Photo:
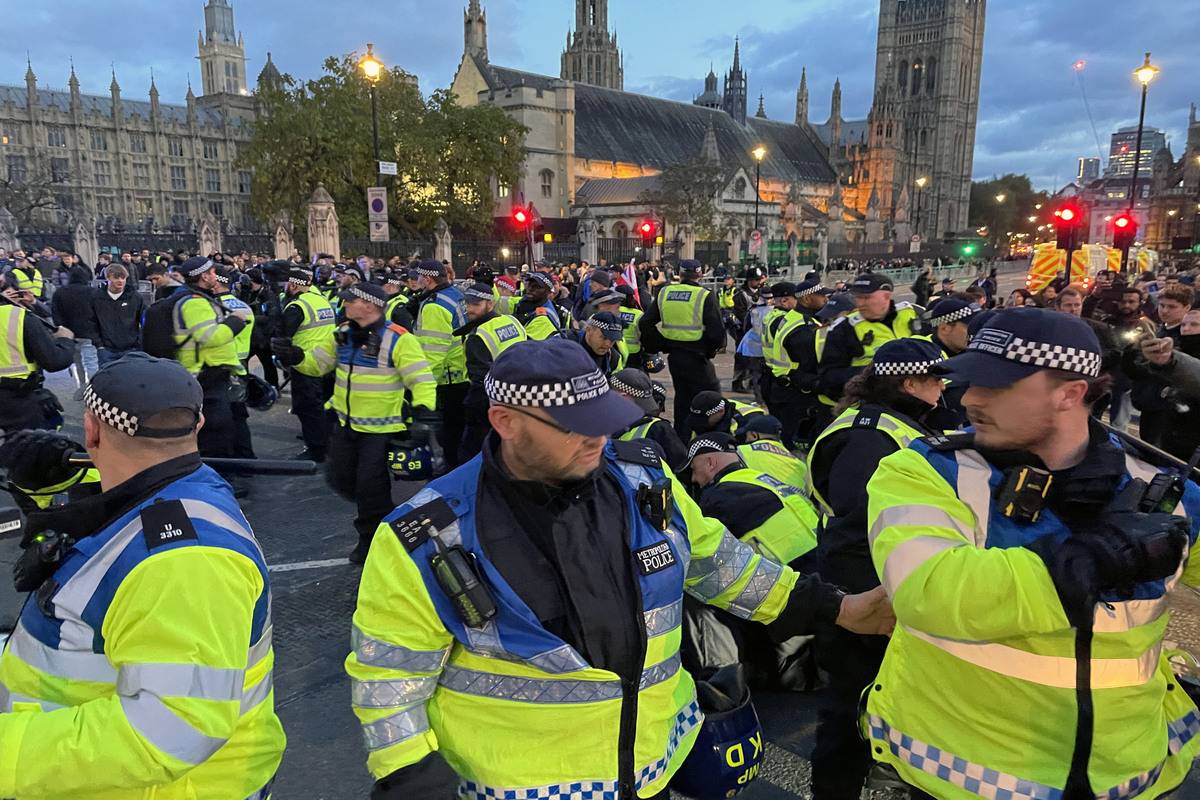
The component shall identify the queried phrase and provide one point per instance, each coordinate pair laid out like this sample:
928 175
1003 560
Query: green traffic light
968 249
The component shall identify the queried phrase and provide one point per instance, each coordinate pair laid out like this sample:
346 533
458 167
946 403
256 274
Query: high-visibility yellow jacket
202 340
315 336
369 384
500 333
977 693
241 342
13 361
872 335
681 309
633 335
791 531
725 297
440 315
819 463
514 710
148 671
771 457
777 358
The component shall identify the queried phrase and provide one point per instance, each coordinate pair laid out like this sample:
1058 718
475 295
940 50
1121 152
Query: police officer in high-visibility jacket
377 362
775 519
686 324
143 661
243 443
761 447
205 334
949 326
566 642
712 413
602 336
485 337
541 316
28 345
441 312
849 346
1030 568
305 345
637 387
884 408
396 287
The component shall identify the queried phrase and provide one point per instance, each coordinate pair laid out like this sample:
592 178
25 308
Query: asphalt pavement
306 532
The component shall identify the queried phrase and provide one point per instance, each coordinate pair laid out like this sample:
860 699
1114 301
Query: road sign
755 241
380 231
914 244
388 168
377 213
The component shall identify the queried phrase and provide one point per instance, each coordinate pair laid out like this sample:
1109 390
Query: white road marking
301 565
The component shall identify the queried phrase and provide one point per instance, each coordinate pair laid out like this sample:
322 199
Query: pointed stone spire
802 98
835 117
114 88
269 77
191 103
708 149
31 98
836 200
762 109
73 86
475 31
153 95
737 54
873 204
1192 116
30 78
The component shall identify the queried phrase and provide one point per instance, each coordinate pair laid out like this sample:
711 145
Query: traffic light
968 250
1124 230
1067 221
520 218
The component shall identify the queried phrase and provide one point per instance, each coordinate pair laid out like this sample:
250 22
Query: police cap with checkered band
135 388
952 309
903 357
1017 342
560 377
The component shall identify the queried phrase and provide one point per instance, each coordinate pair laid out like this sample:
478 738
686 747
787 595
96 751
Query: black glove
426 428
37 459
429 777
1124 548
234 323
288 354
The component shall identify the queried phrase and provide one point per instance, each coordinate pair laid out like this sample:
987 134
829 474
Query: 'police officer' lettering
675 296
507 332
655 558
166 523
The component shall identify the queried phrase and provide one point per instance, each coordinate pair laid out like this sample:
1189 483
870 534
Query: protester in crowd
117 309
71 306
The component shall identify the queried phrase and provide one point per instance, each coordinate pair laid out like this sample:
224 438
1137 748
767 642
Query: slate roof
621 126
502 78
615 191
102 104
854 131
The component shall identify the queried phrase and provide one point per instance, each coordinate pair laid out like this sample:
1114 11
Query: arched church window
924 139
739 188
889 130
931 76
902 78
620 231
918 72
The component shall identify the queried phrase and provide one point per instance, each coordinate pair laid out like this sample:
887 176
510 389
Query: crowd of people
912 503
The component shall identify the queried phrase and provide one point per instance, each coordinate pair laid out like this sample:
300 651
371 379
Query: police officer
205 334
850 345
395 285
442 311
485 337
631 316
305 346
1029 568
143 659
712 413
263 299
949 321
746 299
761 447
883 409
377 362
637 387
541 316
243 444
792 359
566 641
686 323
602 336
29 344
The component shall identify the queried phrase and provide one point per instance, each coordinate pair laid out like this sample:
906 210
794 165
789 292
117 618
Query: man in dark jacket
71 306
117 309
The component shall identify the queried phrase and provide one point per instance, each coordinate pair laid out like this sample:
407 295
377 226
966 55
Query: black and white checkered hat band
610 327
475 294
222 279
370 298
701 444
625 388
200 270
109 414
541 278
429 272
954 316
1048 356
395 280
717 409
811 290
905 367
301 280
547 395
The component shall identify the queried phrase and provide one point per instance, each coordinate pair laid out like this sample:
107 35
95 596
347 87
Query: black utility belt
30 383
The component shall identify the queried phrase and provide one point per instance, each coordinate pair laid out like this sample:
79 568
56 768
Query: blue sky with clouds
1032 117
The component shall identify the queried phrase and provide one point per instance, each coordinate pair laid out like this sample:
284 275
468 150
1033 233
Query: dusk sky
1032 116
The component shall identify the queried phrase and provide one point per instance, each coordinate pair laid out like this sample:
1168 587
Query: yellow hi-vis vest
776 356
822 336
241 342
500 333
872 335
13 361
791 531
725 296
640 431
315 334
768 322
682 312
633 335
202 340
900 431
368 391
771 457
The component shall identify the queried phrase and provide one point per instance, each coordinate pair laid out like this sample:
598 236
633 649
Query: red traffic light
647 228
1122 222
1067 214
521 217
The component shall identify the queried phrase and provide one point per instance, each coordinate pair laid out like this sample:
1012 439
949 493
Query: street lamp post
1146 73
372 69
921 183
759 154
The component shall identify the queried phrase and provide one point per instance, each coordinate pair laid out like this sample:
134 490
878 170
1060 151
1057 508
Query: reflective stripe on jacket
368 388
903 434
791 531
13 361
439 317
315 336
681 310
774 459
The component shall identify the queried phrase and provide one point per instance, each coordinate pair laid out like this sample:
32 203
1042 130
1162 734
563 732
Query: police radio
1024 492
457 573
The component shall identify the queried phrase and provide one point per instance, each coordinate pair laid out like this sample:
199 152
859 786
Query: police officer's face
954 335
874 306
787 302
597 342
362 311
1024 415
535 449
925 387
478 309
537 291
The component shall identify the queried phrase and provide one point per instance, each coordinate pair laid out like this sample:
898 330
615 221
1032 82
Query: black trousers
840 758
357 470
308 405
450 401
243 444
218 437
691 373
266 358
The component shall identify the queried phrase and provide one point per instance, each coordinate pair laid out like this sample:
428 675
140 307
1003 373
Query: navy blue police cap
810 287
540 277
719 442
372 293
690 266
783 289
906 357
1018 342
839 303
764 424
559 377
127 393
608 324
952 309
870 282
196 266
431 268
478 293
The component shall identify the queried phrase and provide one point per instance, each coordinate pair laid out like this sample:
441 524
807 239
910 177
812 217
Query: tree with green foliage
689 191
1010 215
319 131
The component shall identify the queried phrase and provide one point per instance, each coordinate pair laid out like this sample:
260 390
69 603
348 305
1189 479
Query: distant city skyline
1032 114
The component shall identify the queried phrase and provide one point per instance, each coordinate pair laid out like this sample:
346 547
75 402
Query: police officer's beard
535 462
